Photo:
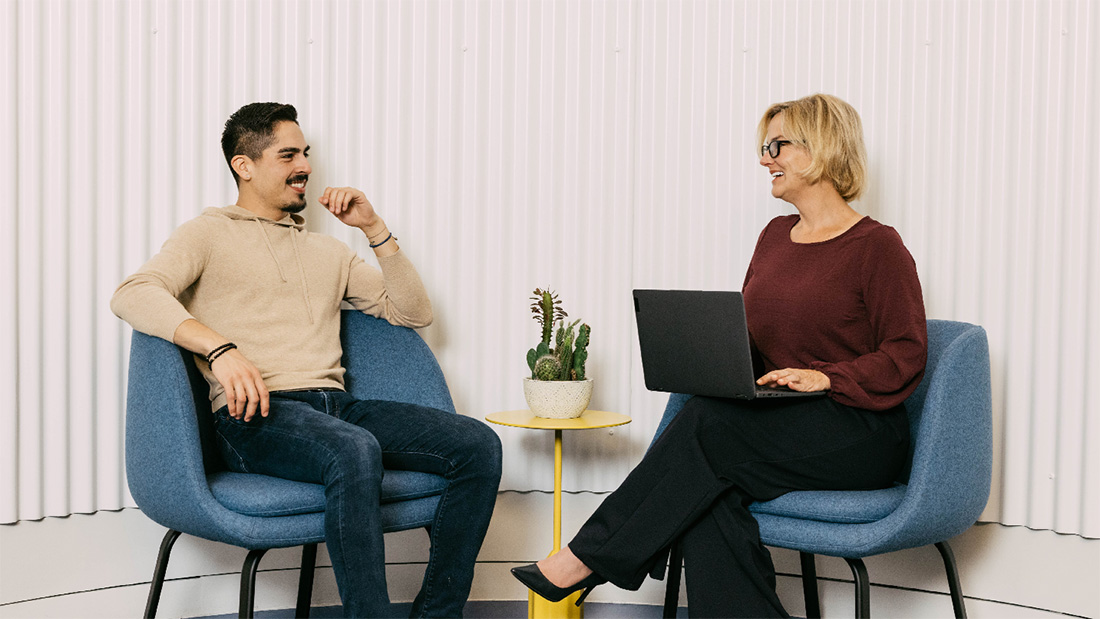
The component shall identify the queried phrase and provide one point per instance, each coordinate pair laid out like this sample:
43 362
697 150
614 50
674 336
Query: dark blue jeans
330 438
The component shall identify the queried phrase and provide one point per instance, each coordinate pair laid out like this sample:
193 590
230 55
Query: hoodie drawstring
271 249
279 266
302 274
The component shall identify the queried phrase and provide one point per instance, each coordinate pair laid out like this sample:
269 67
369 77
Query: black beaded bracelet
219 351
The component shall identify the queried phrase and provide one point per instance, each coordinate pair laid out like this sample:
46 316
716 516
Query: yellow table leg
537 606
557 490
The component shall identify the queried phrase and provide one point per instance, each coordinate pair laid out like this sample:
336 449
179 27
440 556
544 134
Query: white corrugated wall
591 147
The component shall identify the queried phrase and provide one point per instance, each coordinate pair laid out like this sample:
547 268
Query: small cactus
536 352
579 358
565 356
582 336
547 310
566 360
580 354
547 367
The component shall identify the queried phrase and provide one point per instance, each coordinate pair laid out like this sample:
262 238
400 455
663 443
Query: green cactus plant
533 355
565 355
547 367
547 310
580 354
570 351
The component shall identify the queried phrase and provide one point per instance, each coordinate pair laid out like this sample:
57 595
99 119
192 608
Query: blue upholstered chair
940 494
177 478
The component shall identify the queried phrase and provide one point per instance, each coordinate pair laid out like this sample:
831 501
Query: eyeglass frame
778 144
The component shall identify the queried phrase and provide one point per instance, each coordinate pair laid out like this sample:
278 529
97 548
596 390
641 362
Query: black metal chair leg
809 585
248 583
863 588
672 585
159 572
953 582
305 581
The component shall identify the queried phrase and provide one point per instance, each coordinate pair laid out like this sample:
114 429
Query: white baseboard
100 565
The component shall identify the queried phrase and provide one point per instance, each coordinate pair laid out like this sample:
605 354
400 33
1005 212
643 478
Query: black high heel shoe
531 576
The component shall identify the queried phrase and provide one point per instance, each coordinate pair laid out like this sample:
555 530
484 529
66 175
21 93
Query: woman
833 303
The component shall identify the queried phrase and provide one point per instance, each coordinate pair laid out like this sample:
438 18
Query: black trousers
696 482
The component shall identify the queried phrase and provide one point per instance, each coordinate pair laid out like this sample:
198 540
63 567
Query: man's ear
242 165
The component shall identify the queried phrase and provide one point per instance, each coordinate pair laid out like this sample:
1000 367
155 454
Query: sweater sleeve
149 299
892 294
395 293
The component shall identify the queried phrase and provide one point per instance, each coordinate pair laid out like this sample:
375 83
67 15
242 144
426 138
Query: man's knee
481 445
356 454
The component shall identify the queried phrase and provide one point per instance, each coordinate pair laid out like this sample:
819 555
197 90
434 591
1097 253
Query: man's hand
351 207
244 388
798 380
245 391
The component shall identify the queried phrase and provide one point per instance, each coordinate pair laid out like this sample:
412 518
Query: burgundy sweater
850 307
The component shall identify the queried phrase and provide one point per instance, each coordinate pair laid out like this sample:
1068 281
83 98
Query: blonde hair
830 130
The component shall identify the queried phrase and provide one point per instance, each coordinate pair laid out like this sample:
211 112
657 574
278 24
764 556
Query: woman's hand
796 379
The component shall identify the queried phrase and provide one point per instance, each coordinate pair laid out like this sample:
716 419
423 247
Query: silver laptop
697 342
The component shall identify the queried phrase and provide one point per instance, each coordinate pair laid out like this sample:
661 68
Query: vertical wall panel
106 227
9 273
27 426
53 270
81 172
1087 20
592 147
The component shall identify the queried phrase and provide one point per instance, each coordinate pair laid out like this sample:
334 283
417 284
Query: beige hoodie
272 288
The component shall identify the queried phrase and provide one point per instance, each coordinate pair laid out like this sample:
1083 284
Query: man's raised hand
350 206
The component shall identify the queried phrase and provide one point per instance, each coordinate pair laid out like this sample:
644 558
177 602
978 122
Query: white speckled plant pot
557 399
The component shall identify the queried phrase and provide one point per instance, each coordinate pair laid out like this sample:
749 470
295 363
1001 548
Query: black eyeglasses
772 148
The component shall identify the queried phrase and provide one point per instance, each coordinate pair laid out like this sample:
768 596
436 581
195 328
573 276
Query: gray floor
488 610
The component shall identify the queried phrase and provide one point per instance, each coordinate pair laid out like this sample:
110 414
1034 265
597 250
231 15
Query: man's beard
294 207
300 205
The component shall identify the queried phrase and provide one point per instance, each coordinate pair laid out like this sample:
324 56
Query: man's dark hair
251 129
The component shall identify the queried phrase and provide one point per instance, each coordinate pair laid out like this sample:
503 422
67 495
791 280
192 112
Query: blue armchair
177 478
940 494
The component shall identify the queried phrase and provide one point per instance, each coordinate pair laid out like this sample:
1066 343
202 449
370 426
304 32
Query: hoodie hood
242 214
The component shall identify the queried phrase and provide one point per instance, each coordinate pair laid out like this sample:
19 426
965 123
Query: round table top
588 420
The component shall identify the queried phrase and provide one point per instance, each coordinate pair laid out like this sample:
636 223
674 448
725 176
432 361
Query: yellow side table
537 606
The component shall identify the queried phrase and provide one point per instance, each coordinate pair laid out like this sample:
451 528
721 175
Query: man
257 298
